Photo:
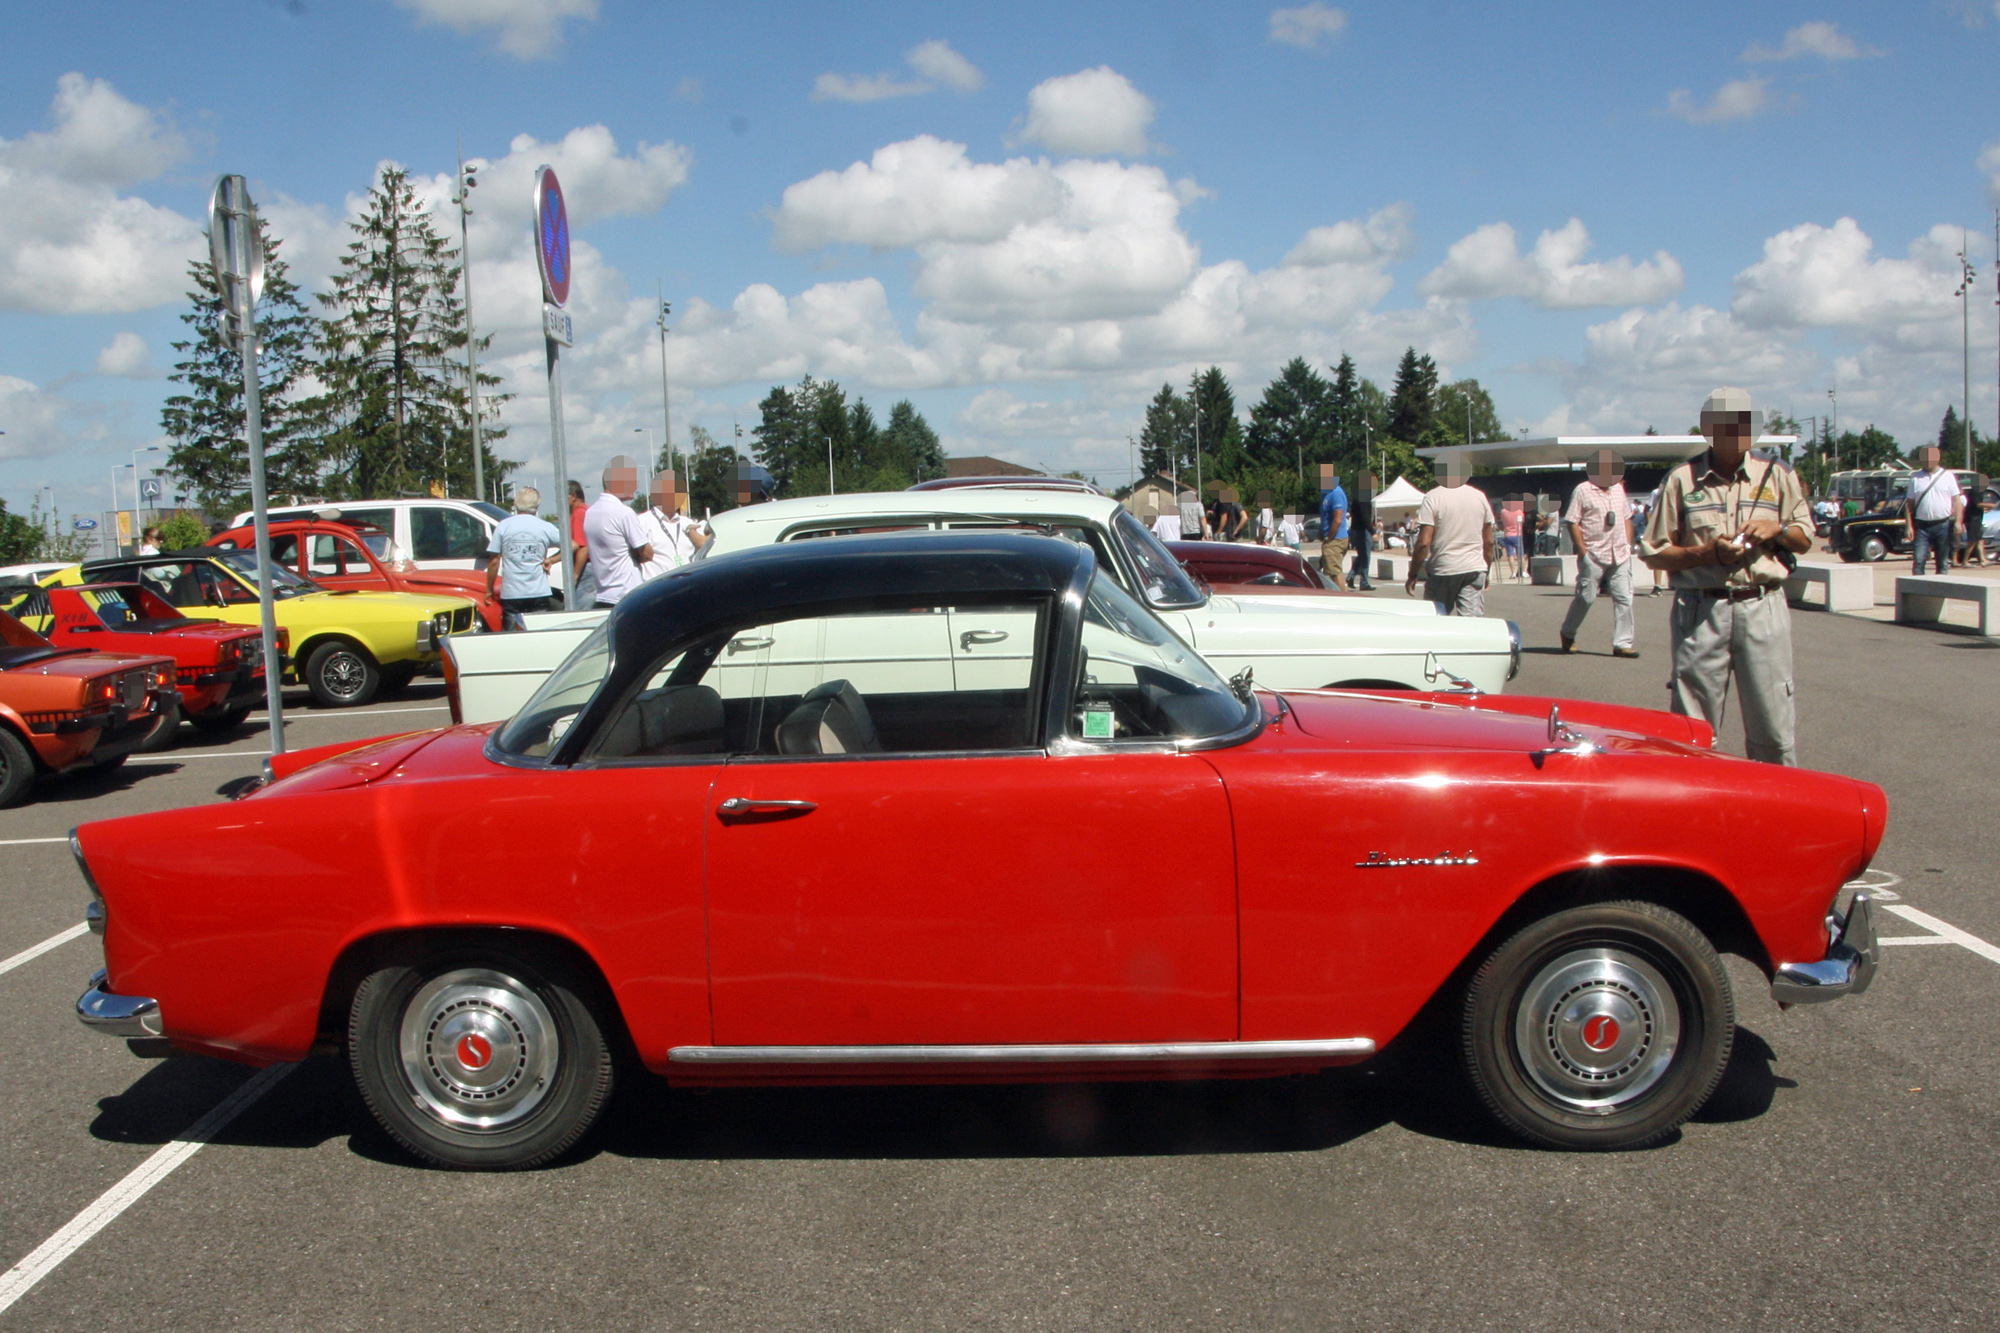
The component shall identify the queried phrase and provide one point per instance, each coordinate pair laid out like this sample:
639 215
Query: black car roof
766 582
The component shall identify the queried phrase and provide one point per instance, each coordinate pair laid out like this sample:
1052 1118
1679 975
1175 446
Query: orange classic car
68 708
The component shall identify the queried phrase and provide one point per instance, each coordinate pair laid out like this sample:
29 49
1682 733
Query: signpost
552 257
237 252
149 488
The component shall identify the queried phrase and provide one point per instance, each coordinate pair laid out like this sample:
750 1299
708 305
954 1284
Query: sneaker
1624 652
1569 644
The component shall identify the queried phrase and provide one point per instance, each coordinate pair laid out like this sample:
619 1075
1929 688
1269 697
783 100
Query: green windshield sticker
1097 724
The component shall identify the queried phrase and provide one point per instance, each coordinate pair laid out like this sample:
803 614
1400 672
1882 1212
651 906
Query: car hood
396 606
1240 597
1374 720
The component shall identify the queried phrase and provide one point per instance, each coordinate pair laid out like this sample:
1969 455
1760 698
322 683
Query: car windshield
1160 575
284 583
1140 682
534 730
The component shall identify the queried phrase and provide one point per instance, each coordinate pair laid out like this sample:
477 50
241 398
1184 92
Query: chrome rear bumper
118 1015
1849 964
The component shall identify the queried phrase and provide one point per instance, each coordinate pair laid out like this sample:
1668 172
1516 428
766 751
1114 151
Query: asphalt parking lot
1843 1174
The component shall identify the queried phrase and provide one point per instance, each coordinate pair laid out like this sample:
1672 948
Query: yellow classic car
343 646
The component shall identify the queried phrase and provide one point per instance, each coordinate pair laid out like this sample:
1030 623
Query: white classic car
1287 642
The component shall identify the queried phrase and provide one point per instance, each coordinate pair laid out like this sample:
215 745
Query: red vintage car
69 708
738 836
218 668
1240 567
339 555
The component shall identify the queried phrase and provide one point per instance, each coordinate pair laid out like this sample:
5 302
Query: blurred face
1454 472
1930 458
1606 468
662 492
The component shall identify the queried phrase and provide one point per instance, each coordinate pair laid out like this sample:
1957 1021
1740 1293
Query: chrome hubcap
1596 1028
479 1049
342 675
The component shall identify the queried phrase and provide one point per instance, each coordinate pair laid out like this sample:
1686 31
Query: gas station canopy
1572 451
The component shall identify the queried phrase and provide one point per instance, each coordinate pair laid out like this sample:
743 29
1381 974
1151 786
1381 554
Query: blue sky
1599 213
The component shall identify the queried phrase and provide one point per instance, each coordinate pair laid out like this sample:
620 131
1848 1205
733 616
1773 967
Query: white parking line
1915 939
212 754
19 1280
30 954
23 842
1964 939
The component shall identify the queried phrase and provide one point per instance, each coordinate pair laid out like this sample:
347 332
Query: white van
432 534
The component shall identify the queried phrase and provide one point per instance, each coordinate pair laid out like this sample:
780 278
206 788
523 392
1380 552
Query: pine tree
911 442
1221 433
1413 403
1289 428
1165 440
395 407
210 452
1343 409
779 437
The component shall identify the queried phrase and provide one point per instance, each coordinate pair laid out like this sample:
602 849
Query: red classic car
738 836
67 708
1239 567
340 555
218 668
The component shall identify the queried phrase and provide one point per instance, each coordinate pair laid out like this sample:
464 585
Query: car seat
673 719
831 719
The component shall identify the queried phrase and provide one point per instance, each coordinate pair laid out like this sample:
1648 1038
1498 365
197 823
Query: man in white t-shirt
1937 503
1455 546
675 536
1166 518
619 543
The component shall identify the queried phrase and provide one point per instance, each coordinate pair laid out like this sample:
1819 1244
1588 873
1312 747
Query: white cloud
1384 237
919 190
127 357
863 88
1311 27
1817 38
1738 99
524 29
1488 263
70 242
1828 277
35 420
1095 112
690 89
1989 162
935 60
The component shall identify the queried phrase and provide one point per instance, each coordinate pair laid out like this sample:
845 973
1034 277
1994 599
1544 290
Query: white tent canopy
1399 495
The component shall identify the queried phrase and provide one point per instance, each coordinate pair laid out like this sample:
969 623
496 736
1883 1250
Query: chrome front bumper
1849 964
118 1015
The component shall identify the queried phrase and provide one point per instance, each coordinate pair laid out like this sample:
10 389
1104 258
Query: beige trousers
1715 638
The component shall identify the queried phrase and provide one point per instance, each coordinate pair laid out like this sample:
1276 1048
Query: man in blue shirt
1332 525
522 542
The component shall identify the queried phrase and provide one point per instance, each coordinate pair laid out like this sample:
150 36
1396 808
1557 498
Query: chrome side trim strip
1089 1053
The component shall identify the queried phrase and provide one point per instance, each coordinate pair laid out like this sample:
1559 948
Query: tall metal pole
1968 275
240 276
666 401
460 197
829 465
562 465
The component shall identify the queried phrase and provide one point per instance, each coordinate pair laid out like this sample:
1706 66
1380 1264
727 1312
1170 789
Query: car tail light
230 654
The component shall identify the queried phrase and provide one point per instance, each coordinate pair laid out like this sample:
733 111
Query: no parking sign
552 237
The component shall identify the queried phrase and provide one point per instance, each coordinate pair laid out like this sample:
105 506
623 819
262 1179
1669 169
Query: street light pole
829 464
143 449
460 196
666 402
1967 276
1832 424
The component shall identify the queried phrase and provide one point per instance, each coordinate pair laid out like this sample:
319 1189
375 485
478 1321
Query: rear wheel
341 675
1601 1027
479 1061
17 768
163 730
218 720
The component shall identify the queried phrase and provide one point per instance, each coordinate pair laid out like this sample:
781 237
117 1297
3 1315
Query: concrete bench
1392 566
1552 570
1848 587
1920 600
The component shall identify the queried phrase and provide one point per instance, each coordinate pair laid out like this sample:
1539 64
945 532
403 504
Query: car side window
437 533
350 558
905 680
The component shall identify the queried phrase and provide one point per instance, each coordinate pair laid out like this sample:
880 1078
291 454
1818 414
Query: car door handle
737 806
972 636
748 644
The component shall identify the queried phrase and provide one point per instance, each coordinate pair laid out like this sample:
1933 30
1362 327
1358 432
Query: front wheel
480 1062
1601 1027
1873 549
341 675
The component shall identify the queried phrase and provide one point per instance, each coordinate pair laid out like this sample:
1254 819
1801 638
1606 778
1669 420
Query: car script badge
1600 1032
1378 861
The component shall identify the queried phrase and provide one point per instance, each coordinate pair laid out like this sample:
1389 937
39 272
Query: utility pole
829 464
460 195
666 403
1967 276
1832 422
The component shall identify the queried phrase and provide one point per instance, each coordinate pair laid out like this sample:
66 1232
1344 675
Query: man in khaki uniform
1717 528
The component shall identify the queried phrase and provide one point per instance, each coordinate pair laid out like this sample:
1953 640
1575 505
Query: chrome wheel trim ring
478 1049
1596 1029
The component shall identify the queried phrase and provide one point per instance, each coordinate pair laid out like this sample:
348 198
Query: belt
1738 594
